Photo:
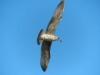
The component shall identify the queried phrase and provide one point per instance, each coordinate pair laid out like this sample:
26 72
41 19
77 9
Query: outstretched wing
56 18
45 54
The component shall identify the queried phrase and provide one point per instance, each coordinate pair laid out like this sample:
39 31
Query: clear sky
79 52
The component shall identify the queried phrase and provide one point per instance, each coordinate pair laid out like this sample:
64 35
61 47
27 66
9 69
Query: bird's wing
56 18
45 54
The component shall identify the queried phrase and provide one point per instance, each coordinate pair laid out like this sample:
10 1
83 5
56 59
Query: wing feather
45 54
56 18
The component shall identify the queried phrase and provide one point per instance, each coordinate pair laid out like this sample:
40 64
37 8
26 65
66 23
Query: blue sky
79 52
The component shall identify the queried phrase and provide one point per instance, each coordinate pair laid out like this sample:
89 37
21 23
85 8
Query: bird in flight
45 38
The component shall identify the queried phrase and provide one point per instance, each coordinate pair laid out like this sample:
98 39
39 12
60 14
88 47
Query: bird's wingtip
44 68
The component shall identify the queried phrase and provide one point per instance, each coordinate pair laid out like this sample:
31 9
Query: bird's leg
60 39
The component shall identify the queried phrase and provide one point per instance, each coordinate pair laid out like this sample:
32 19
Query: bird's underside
46 38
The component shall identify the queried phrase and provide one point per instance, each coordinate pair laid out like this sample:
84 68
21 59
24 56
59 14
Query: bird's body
49 37
46 38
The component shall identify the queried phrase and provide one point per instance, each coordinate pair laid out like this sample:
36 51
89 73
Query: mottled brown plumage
45 54
56 18
46 43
